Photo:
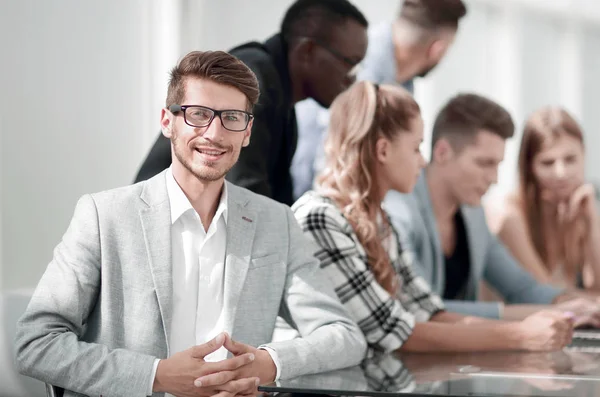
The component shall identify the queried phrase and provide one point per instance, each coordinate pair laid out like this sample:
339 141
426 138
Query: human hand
546 331
179 374
582 202
262 367
586 311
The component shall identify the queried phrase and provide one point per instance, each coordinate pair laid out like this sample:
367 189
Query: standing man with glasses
313 56
408 47
153 282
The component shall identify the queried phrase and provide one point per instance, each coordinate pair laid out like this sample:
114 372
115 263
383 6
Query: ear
304 51
166 123
382 150
436 50
247 134
442 151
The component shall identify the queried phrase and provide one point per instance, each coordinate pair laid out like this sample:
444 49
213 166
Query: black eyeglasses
353 64
202 116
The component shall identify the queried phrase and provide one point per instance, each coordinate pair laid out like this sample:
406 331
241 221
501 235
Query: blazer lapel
241 225
156 226
426 209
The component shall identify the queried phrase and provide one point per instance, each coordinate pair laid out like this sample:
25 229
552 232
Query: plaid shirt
386 321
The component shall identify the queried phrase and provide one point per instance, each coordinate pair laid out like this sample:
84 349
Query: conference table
573 371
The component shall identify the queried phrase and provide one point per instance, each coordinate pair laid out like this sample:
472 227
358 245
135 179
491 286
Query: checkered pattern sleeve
385 323
414 292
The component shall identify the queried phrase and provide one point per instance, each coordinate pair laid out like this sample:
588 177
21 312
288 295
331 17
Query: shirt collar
180 204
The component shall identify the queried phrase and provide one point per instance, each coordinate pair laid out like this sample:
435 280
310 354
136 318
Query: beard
204 171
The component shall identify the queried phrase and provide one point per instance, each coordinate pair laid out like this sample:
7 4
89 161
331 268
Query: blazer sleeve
515 284
158 160
48 345
329 339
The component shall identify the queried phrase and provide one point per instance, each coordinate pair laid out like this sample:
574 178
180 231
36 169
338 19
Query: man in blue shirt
409 47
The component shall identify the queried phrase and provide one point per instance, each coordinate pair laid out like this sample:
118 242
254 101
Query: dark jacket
264 165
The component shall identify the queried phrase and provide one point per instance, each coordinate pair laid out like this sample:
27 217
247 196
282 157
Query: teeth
210 152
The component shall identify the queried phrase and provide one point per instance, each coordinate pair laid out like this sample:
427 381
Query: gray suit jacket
101 313
413 217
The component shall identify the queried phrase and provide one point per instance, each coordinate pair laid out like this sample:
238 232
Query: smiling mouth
211 154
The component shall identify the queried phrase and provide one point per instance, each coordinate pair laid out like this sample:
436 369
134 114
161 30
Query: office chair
54 391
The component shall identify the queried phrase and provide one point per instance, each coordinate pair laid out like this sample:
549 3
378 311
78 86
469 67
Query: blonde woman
551 224
372 147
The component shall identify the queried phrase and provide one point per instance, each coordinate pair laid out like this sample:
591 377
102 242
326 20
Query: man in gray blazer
169 285
443 222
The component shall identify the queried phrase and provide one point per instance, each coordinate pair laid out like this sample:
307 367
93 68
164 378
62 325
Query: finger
224 394
594 321
236 347
561 210
573 207
241 386
579 198
203 350
570 319
215 379
587 320
565 326
564 339
230 364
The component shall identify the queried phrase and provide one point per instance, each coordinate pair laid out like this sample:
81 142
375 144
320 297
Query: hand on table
182 373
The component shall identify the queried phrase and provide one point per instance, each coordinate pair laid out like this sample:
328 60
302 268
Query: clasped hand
187 374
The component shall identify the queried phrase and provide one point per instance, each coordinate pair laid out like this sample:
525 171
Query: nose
214 131
352 74
559 169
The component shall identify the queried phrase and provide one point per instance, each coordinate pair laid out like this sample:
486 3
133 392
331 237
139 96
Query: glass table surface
574 371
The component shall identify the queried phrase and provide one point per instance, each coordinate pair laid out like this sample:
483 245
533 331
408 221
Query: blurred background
83 82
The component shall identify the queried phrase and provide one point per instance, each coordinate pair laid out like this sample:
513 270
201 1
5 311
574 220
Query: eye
571 159
198 113
547 163
233 116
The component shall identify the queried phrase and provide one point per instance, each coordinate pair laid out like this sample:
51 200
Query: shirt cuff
275 359
153 376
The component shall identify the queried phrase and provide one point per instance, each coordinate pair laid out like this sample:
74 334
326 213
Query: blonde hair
359 117
542 126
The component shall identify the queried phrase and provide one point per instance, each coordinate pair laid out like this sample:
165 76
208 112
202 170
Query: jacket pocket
268 260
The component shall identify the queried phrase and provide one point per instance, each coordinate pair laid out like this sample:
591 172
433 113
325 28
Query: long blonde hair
359 117
544 125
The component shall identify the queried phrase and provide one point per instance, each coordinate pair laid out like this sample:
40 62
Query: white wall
76 113
226 23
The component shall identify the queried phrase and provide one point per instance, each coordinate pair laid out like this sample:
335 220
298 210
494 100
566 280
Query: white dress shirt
198 259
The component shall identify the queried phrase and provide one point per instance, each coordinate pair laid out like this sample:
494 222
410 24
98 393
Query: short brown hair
218 66
433 14
465 115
